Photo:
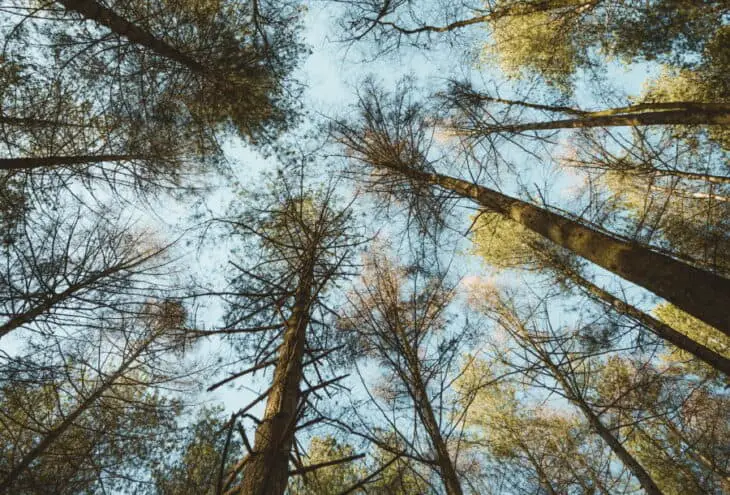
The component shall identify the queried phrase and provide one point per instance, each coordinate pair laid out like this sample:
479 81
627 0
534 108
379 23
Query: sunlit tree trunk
266 471
700 293
695 114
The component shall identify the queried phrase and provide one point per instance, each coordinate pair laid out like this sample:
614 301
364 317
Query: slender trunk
715 179
428 418
660 329
60 161
266 471
645 480
541 474
50 302
698 292
707 115
104 16
50 437
521 9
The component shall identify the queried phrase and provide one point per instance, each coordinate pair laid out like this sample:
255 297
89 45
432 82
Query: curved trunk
60 161
106 17
266 470
697 292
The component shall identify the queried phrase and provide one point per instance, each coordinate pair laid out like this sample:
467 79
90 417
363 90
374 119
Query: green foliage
193 466
695 329
112 444
330 480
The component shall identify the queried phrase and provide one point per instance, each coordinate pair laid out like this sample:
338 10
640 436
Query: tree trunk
61 161
72 289
695 114
660 329
50 437
698 292
428 418
715 179
104 16
266 471
645 480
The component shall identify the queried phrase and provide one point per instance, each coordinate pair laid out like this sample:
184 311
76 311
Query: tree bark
60 161
700 293
266 471
106 17
50 437
645 480
428 418
692 114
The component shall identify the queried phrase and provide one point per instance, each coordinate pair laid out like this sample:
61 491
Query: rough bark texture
266 471
698 292
60 161
104 16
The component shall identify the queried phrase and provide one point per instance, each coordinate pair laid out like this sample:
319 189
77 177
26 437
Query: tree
60 268
505 244
399 330
571 373
538 449
199 459
550 38
93 416
221 62
391 140
301 245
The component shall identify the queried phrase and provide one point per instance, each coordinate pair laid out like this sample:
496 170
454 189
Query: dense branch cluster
512 279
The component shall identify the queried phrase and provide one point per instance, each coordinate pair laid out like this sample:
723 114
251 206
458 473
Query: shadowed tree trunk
61 161
426 413
575 397
660 329
104 16
266 471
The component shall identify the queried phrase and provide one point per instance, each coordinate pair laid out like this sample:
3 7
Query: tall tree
505 244
301 244
391 139
399 329
101 403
